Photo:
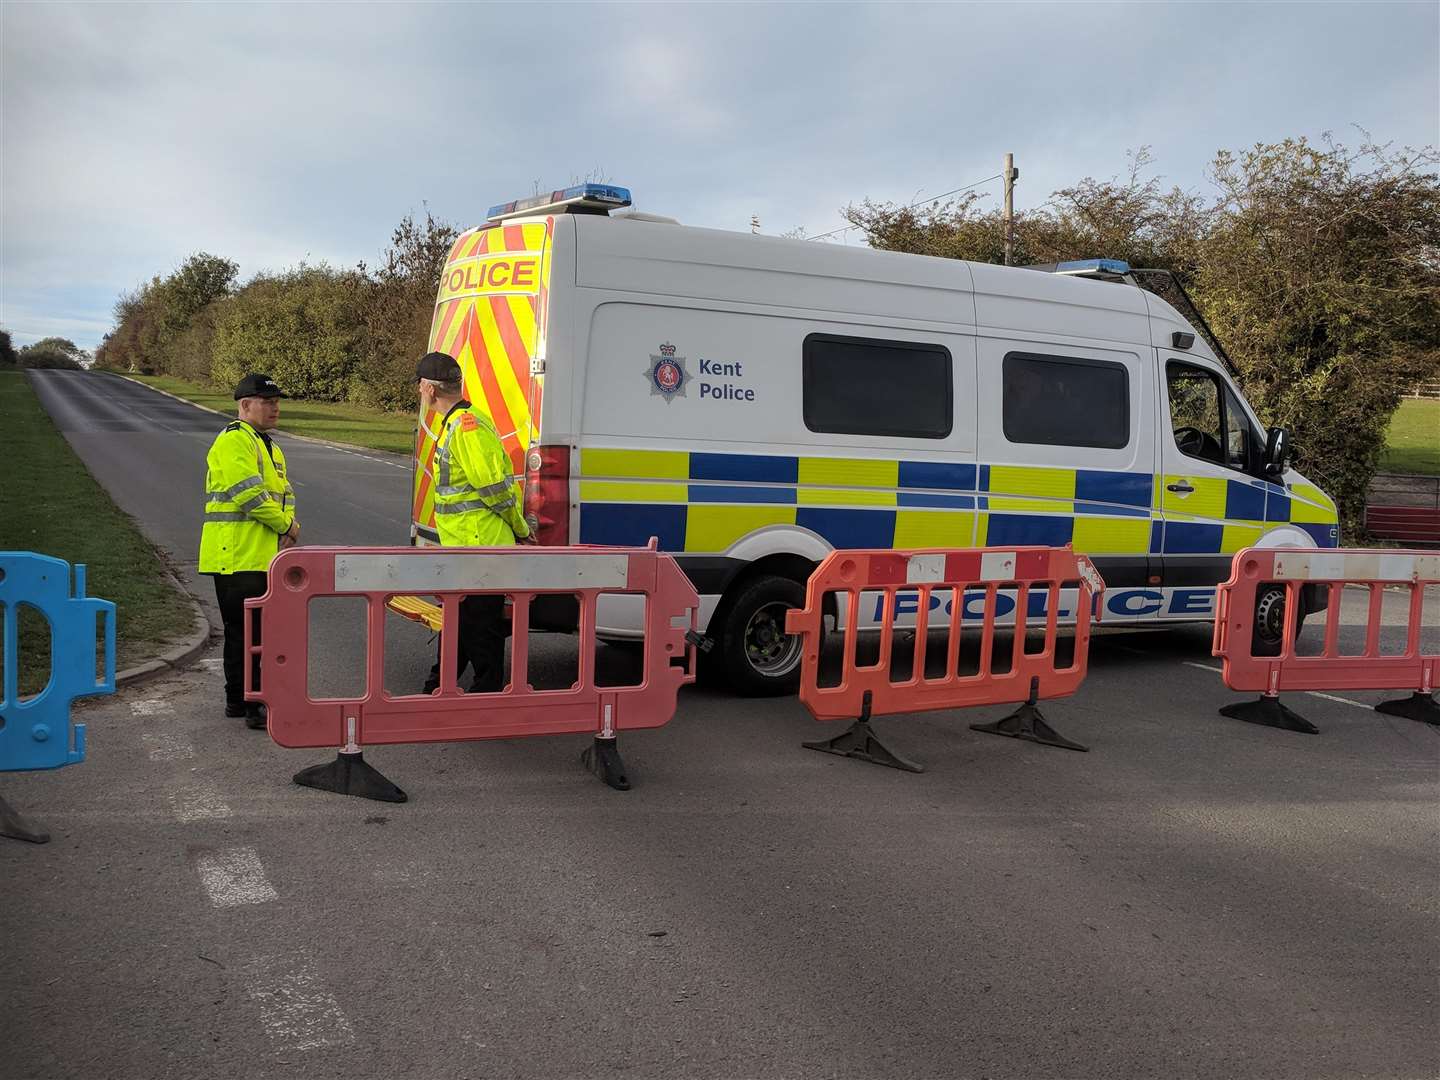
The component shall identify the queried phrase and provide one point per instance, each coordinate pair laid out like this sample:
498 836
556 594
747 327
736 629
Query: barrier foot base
1417 706
1270 712
860 741
348 774
603 759
1028 722
14 825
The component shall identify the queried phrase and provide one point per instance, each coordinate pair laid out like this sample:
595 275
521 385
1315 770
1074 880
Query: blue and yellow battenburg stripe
705 502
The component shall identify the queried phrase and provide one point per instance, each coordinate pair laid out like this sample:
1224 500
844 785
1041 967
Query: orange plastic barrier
1257 570
1011 581
303 574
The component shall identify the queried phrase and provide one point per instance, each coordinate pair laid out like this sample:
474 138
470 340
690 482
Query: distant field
320 420
1413 441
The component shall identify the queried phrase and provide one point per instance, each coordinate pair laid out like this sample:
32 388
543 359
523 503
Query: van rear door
490 315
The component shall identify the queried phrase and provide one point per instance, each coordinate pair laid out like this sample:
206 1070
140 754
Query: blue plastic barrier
37 733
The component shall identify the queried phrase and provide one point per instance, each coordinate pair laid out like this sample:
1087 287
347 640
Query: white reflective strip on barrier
925 569
997 566
479 570
1397 567
1090 575
1355 566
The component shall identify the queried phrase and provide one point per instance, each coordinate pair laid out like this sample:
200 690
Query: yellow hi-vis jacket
477 503
248 502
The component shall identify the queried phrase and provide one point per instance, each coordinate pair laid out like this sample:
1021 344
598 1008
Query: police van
755 402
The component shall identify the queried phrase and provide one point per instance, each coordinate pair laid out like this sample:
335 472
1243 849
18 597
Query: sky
134 135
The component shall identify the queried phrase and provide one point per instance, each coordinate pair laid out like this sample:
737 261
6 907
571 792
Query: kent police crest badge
666 373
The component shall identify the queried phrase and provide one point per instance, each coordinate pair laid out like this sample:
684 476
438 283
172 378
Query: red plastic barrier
1013 573
1255 570
300 575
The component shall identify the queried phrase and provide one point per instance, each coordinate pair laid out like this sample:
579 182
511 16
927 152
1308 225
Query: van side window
1207 420
865 386
1066 401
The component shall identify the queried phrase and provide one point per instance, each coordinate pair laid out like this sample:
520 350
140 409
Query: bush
1316 267
397 304
52 352
300 327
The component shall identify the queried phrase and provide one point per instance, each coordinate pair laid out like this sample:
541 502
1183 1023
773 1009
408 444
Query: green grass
1412 445
51 505
351 424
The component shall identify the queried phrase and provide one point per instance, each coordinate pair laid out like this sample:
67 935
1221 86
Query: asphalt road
1195 897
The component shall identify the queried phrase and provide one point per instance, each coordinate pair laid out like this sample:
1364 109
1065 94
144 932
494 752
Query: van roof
632 254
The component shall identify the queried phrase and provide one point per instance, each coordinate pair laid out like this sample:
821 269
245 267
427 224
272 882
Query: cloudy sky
132 135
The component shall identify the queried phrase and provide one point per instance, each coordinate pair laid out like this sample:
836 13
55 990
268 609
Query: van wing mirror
1277 451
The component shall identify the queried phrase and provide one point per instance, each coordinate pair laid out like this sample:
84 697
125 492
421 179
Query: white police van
755 402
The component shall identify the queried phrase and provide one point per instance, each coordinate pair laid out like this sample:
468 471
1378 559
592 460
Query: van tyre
1268 636
757 657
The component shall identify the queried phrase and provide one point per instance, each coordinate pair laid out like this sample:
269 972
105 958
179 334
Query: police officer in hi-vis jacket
249 517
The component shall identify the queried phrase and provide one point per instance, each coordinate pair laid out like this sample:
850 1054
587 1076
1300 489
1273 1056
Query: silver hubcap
770 650
1270 614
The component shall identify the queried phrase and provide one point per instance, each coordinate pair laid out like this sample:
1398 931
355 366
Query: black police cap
438 367
256 385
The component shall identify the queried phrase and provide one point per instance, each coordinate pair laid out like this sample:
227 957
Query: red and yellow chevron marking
489 310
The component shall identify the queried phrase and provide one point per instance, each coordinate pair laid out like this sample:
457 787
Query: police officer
477 504
249 516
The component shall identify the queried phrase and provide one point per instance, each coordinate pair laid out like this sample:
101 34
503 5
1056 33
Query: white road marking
233 877
1312 693
163 747
213 663
152 707
199 801
1342 700
297 1011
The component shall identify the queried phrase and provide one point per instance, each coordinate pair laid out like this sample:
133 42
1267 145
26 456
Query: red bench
1405 524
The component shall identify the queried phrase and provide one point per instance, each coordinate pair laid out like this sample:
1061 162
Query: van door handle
1181 488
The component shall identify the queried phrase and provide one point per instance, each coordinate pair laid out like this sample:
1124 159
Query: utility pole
1011 175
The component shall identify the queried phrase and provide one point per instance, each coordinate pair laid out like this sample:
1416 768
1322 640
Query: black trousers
231 592
481 645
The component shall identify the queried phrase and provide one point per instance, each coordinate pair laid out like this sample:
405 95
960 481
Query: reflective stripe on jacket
477 503
248 502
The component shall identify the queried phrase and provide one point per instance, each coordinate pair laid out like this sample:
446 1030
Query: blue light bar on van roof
581 196
1093 266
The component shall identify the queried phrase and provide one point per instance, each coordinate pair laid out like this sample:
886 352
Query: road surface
1195 897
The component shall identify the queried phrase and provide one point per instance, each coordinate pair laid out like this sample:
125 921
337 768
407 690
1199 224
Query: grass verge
50 504
1412 443
340 423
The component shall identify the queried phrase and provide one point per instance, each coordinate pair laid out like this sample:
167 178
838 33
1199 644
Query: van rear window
1066 401
867 386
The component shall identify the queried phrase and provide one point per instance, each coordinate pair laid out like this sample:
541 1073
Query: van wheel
759 659
1269 633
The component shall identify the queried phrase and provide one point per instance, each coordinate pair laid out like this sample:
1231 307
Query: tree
151 323
1321 273
53 352
300 327
7 350
396 308
1317 267
1129 217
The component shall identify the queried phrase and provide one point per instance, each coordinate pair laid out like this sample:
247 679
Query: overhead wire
919 202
